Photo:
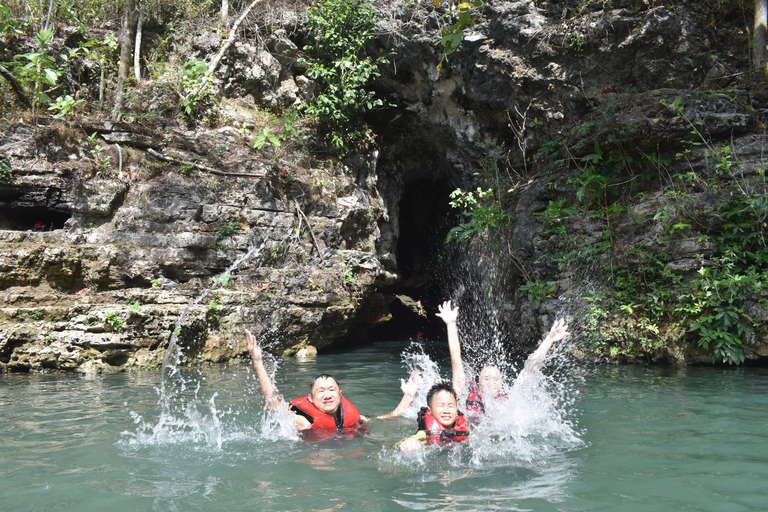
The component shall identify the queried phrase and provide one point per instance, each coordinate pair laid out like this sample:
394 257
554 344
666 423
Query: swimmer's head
490 380
441 404
325 393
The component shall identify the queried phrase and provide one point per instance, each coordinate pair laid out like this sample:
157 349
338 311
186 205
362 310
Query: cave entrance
424 219
31 208
32 218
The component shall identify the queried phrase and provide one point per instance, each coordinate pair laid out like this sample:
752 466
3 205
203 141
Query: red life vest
348 415
475 405
437 433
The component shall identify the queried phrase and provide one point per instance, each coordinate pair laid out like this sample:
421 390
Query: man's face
490 381
326 395
444 408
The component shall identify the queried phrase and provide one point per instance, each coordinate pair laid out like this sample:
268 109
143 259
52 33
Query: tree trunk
50 13
224 14
126 44
137 47
759 37
16 86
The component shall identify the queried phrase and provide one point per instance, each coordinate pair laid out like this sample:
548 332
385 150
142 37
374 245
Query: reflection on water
646 439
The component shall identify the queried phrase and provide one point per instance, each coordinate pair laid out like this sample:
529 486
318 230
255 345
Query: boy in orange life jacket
324 407
489 381
439 422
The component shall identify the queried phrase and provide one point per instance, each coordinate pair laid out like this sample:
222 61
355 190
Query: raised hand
411 386
559 330
253 346
447 313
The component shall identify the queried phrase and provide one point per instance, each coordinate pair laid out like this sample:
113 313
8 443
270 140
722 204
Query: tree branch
201 167
16 86
231 39
309 227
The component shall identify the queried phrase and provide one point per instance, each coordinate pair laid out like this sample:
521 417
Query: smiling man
324 407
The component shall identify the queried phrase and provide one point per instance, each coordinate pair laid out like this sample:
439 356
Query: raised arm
559 331
268 388
449 316
409 387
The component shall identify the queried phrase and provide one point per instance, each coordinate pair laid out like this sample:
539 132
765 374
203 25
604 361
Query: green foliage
9 24
134 307
265 136
97 149
212 313
337 60
576 41
451 36
717 306
484 212
37 314
227 229
712 307
551 148
290 125
63 105
5 170
557 217
348 276
113 322
39 68
222 280
537 291
194 73
277 251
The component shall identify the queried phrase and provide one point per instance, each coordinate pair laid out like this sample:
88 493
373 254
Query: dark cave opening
32 218
424 220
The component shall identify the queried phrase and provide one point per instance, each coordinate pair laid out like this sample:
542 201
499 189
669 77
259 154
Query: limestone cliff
111 229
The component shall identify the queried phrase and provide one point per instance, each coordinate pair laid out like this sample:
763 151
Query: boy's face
444 408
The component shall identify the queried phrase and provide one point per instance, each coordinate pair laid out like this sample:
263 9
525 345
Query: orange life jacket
437 433
348 415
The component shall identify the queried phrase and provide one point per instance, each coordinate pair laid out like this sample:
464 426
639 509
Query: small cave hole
32 218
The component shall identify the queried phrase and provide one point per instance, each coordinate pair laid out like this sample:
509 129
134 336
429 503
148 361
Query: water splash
534 426
415 360
186 418
173 355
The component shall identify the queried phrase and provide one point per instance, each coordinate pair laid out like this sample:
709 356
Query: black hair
437 388
322 376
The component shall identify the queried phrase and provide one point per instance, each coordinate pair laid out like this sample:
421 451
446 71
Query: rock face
105 243
98 263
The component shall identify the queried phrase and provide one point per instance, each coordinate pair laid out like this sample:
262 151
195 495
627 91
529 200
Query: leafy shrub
227 229
337 60
114 322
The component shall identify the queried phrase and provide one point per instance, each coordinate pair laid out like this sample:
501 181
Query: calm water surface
623 439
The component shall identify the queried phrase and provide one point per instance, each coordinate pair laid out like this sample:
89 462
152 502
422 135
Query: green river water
607 438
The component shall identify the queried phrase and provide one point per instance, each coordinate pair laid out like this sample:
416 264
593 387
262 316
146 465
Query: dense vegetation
638 304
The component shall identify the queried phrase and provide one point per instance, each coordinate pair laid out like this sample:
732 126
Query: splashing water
185 417
533 424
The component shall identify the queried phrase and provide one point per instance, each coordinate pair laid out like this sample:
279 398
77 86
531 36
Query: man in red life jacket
325 407
438 423
489 384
